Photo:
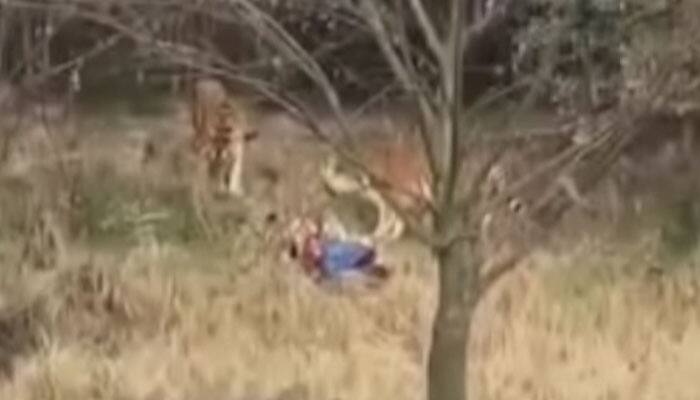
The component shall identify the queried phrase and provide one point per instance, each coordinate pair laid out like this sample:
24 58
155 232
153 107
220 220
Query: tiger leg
389 225
235 174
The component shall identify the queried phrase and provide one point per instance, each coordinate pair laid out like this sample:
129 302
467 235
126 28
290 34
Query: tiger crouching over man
405 185
221 132
405 178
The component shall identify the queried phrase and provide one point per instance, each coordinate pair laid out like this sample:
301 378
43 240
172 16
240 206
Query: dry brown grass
157 318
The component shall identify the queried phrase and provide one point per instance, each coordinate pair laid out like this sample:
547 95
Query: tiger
221 132
403 182
404 185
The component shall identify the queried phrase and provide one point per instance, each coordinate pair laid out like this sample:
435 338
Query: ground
110 291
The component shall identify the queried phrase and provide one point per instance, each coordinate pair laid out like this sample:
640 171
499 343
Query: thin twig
427 28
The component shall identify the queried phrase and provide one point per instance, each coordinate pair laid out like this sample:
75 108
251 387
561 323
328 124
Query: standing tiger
221 130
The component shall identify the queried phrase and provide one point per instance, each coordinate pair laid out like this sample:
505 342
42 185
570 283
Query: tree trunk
457 298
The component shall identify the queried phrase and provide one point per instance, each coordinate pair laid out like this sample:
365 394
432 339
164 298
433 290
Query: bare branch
383 37
495 15
598 159
378 97
479 178
427 28
96 50
504 264
291 48
553 163
408 50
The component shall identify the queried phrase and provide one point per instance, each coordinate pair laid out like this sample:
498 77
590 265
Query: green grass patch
14 199
680 229
116 210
